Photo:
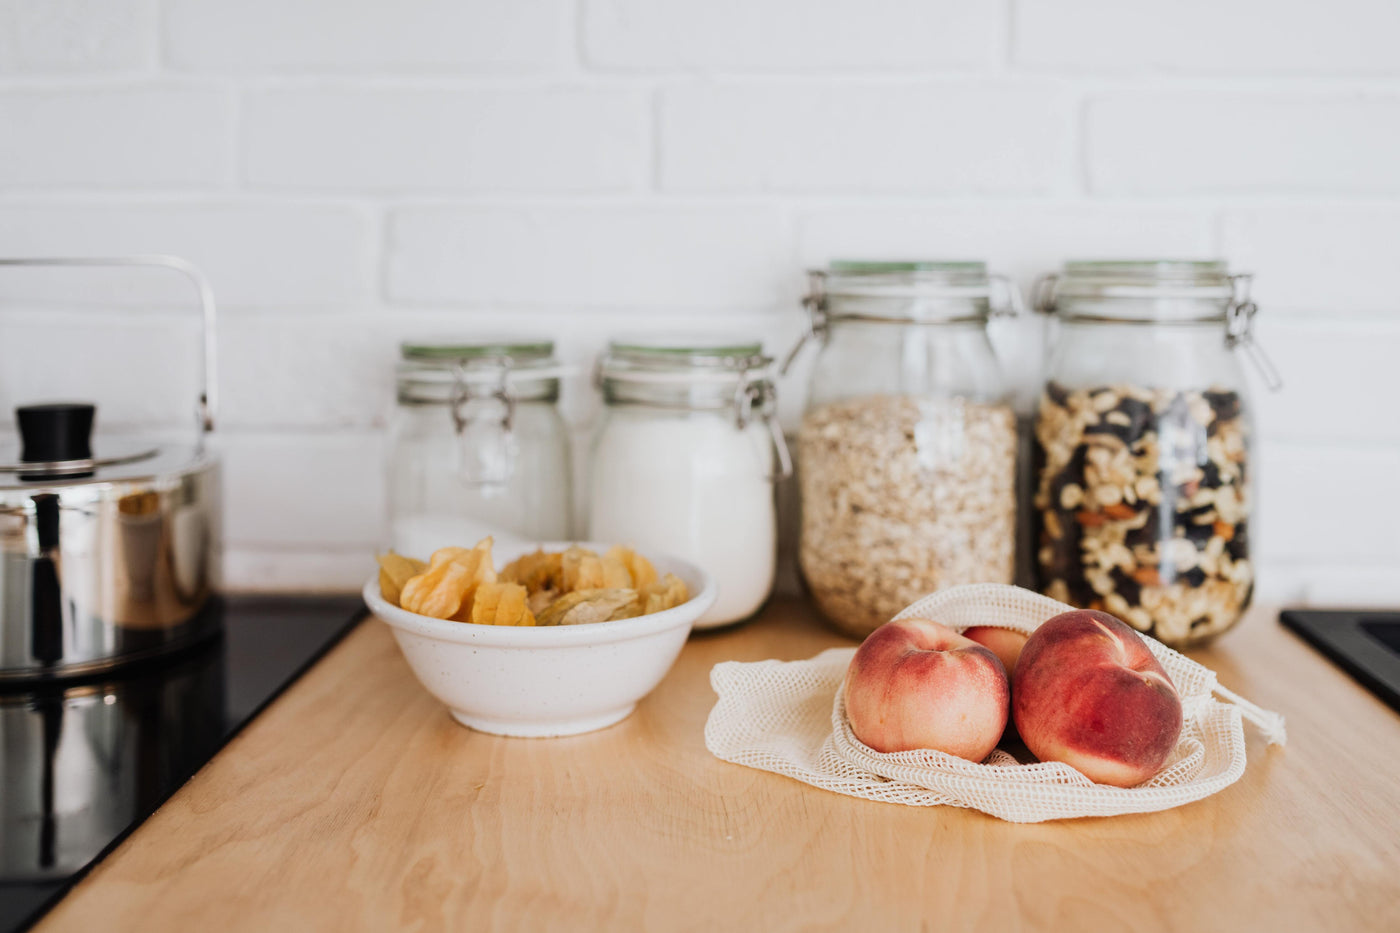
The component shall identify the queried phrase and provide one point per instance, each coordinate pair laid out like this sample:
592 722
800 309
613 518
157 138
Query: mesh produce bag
790 718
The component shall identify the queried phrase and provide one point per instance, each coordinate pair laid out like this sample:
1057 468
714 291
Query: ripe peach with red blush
1087 691
1005 643
917 684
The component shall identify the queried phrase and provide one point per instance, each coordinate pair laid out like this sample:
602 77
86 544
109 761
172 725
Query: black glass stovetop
83 762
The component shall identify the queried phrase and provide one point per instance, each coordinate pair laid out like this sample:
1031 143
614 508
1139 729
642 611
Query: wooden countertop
356 803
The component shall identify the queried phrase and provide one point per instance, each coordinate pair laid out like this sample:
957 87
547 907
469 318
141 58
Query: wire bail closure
486 454
1239 331
759 398
814 318
461 393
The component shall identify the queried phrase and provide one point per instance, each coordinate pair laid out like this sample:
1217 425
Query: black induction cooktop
1364 644
83 762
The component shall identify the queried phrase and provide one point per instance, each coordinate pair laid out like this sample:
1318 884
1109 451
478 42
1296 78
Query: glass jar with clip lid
907 453
478 447
685 458
1145 482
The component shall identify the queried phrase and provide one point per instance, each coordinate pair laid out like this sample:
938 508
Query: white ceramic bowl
549 680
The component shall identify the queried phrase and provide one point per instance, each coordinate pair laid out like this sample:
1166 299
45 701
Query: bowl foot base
540 730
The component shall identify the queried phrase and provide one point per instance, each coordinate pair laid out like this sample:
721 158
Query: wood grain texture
356 803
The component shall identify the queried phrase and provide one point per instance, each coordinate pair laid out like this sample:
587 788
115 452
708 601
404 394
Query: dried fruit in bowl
639 570
582 570
667 593
598 605
394 571
476 560
571 587
539 600
501 604
438 591
537 571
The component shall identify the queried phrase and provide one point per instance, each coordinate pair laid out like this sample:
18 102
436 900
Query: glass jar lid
438 370
699 358
703 374
932 291
1149 290
453 351
1158 291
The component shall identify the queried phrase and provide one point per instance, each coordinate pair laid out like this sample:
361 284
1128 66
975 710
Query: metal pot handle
208 397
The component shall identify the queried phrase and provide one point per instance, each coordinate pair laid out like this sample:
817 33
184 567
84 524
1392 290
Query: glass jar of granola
907 450
1145 484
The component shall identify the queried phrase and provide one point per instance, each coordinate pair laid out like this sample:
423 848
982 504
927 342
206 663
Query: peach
1088 692
1005 643
917 684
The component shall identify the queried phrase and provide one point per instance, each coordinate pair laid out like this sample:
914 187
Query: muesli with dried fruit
1142 506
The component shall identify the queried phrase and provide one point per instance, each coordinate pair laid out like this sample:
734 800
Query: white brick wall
307 36
876 138
551 139
350 173
77 35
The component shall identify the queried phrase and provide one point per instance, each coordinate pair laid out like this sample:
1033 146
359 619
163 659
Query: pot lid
56 448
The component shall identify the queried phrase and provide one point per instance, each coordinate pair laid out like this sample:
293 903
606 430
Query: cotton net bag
790 718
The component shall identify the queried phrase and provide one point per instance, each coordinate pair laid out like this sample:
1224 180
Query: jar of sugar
684 461
478 446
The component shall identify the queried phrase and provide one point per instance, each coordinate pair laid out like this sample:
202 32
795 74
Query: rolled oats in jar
907 452
1145 485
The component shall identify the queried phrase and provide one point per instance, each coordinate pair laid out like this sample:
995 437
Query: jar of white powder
478 446
685 459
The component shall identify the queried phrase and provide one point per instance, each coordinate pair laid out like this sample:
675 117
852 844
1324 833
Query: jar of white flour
478 446
685 459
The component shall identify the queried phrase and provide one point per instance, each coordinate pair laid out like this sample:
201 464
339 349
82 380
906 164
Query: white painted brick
330 35
269 255
302 491
1280 583
791 35
119 137
1359 586
1218 142
1211 36
1324 259
263 570
278 370
586 256
41 36
140 369
1329 504
1340 381
862 138
500 139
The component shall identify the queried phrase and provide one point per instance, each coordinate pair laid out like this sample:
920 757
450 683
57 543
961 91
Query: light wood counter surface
356 803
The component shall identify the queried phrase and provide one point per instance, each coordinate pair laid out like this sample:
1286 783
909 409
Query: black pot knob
56 431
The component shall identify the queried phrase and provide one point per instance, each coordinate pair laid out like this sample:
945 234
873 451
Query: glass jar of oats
1144 480
907 450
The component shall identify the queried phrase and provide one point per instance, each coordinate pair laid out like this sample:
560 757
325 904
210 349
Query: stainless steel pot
108 548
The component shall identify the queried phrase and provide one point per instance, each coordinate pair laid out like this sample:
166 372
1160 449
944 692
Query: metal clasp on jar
814 319
1239 331
758 398
484 422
